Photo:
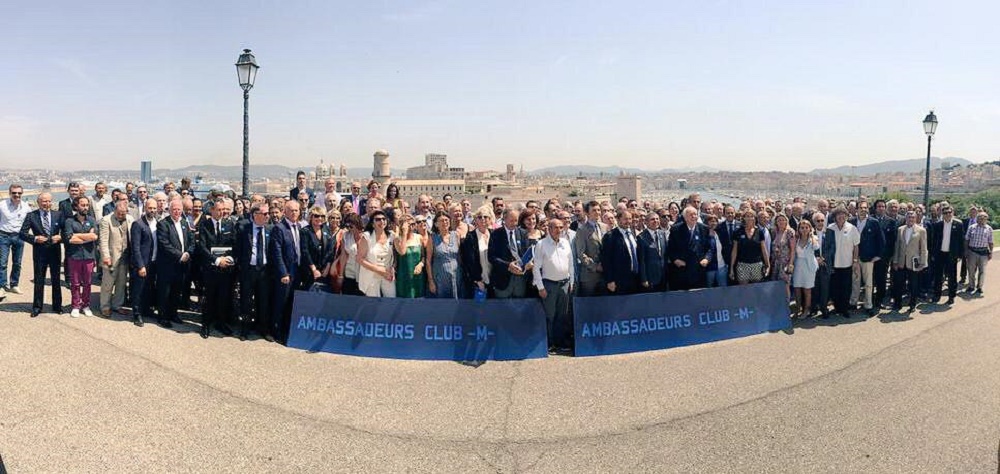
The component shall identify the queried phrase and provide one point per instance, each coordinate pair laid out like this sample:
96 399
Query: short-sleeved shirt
748 248
83 251
847 239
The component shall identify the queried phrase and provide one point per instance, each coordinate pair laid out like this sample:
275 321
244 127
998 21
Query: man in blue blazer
620 257
284 258
871 248
250 249
689 251
142 252
174 248
42 229
507 276
652 250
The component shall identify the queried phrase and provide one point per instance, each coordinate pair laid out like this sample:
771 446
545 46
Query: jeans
10 245
720 277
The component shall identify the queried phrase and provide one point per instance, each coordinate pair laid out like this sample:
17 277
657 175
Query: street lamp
246 70
930 125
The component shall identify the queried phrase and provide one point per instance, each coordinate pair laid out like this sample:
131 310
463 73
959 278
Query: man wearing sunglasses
12 213
946 242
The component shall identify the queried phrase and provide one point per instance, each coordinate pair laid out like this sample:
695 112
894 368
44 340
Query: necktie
46 227
513 244
218 228
295 239
631 251
260 247
659 249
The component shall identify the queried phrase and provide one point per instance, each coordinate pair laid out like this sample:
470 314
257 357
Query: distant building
380 170
146 171
435 167
412 188
339 175
629 186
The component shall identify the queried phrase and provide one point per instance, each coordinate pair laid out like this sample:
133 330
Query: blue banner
429 329
650 321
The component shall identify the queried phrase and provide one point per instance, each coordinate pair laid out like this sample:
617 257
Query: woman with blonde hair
804 267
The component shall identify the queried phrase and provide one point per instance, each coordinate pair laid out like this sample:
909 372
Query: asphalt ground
895 393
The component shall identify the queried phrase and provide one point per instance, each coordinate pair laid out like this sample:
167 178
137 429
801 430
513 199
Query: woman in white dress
804 267
377 275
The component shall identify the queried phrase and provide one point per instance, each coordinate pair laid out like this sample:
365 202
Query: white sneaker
15 290
87 312
75 313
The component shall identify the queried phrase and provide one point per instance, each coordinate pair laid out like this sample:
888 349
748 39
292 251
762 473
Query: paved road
889 394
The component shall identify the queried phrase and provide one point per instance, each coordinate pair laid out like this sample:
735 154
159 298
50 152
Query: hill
897 166
587 170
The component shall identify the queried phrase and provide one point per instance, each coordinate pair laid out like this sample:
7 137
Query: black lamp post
246 70
930 125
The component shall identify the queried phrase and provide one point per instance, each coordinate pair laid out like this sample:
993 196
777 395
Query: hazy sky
741 85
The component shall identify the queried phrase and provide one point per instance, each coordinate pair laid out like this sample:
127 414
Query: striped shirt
979 236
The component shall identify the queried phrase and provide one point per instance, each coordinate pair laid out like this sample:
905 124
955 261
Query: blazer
282 256
472 268
726 238
935 237
112 246
617 259
141 243
32 226
872 243
682 245
499 255
890 226
293 194
828 249
588 243
66 209
207 238
169 248
316 251
906 251
243 247
652 261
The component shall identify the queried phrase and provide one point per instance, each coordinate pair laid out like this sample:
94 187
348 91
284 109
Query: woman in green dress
410 261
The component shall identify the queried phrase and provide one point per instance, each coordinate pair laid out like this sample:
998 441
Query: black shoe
35 313
269 338
970 291
224 329
950 301
165 323
243 335
979 291
58 311
872 312
137 321
897 308
825 316
176 320
912 308
204 333
846 314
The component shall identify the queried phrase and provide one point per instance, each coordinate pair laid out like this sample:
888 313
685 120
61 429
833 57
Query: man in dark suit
620 257
250 249
688 252
300 186
284 257
946 242
889 226
508 243
174 245
142 240
871 248
727 231
827 252
216 268
652 249
42 229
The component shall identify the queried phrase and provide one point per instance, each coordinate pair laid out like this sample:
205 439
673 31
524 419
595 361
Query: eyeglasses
482 217
16 194
379 219
318 216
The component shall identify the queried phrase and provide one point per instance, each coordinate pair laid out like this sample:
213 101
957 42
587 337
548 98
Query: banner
650 321
429 329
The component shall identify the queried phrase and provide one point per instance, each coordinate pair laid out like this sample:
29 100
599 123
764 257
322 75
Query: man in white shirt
845 260
13 210
554 278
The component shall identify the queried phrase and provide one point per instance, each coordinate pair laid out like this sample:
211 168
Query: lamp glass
930 123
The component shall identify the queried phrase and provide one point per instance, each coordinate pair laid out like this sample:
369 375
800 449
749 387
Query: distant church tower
380 172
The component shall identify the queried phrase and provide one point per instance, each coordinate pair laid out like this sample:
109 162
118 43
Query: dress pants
556 304
80 273
255 298
168 295
217 301
880 274
862 279
142 291
591 286
977 269
516 288
281 310
908 280
945 267
113 285
821 290
46 260
840 288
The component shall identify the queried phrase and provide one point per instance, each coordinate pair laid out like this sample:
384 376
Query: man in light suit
113 242
587 249
909 258
652 249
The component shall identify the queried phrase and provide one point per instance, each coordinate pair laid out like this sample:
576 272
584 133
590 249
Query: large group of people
243 258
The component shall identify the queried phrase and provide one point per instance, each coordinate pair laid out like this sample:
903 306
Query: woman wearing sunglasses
377 273
317 249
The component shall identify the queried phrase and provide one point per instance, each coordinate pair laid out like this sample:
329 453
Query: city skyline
640 85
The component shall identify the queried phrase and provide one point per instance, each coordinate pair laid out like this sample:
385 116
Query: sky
751 85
